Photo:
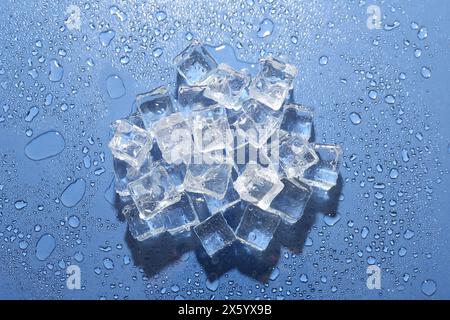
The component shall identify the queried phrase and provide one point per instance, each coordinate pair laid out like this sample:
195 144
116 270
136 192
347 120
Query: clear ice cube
155 105
130 143
194 64
208 175
210 129
230 198
192 98
272 84
295 155
154 191
142 229
258 185
173 135
324 173
180 216
257 227
257 123
226 86
215 234
290 203
298 119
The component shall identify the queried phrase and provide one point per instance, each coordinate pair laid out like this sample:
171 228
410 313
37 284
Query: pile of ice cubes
224 148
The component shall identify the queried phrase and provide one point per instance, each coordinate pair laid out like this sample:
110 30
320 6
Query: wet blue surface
382 94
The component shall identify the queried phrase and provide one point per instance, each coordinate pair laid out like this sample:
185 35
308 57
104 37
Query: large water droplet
323 60
157 52
212 284
44 146
56 71
115 87
31 114
45 246
20 204
265 28
73 193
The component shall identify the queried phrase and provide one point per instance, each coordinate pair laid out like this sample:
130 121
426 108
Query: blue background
401 224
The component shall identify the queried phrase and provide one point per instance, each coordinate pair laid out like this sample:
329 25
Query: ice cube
295 155
125 173
257 227
248 153
324 173
226 86
208 174
180 216
230 198
257 122
155 105
130 143
210 129
290 203
215 234
154 191
298 119
192 98
142 229
194 64
272 84
199 206
258 185
173 135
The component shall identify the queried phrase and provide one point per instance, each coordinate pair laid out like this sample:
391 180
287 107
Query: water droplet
31 114
417 53
73 193
393 173
212 284
45 246
56 71
331 220
161 16
426 72
157 52
294 39
20 204
74 221
364 232
422 33
189 36
274 274
389 99
355 118
323 60
115 86
409 234
373 94
44 146
428 287
265 28
108 264
106 37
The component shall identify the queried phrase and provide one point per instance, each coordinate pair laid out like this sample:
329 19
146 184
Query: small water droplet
409 234
355 118
422 33
31 114
265 28
20 204
161 16
212 284
44 146
373 94
106 37
393 173
157 52
73 193
323 60
428 287
390 99
108 264
56 71
426 72
74 221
